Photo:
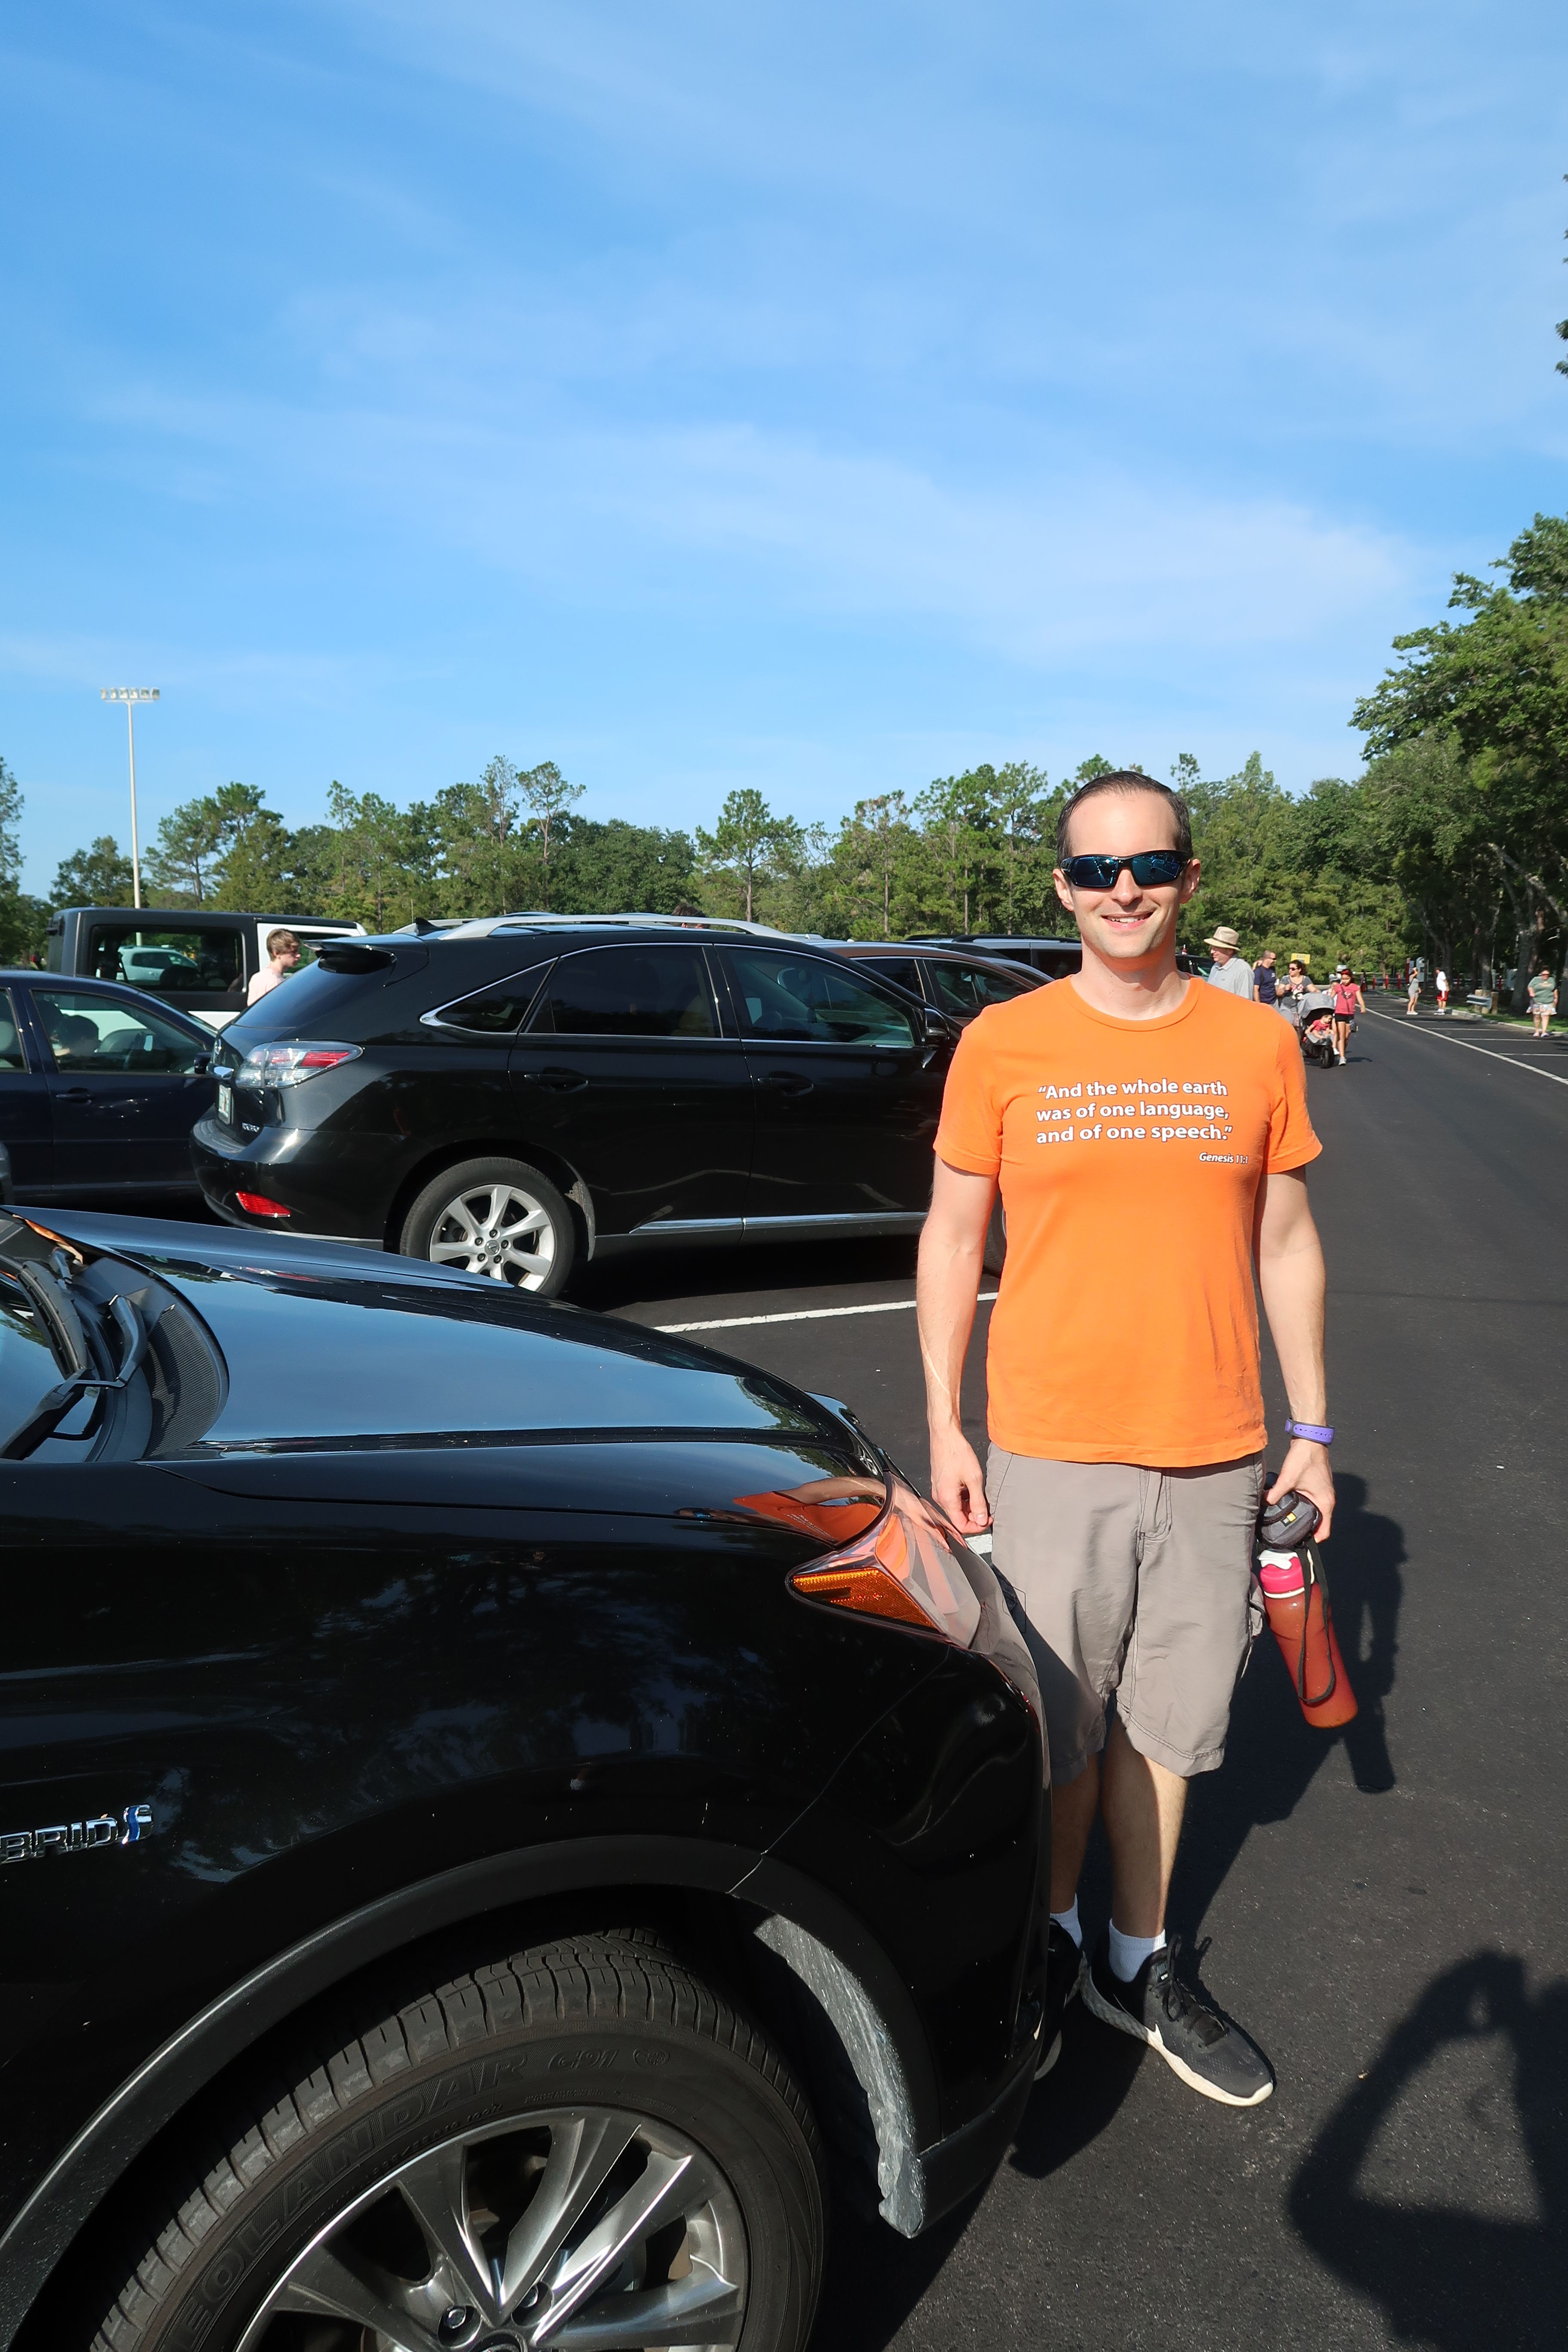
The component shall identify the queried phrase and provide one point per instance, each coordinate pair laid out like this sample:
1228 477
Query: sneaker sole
1098 2006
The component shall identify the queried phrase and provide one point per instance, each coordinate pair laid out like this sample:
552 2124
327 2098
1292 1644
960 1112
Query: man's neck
1141 991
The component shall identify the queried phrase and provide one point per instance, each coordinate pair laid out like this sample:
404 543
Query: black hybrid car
504 1096
100 1088
503 1814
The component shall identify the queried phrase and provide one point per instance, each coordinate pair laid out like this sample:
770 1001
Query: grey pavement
1386 1910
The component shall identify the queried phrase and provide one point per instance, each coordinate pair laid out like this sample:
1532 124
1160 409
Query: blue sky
811 397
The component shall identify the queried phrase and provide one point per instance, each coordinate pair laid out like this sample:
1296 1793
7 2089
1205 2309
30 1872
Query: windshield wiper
77 1354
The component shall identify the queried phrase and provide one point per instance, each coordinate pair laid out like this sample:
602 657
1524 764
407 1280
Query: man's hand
958 1483
1306 1470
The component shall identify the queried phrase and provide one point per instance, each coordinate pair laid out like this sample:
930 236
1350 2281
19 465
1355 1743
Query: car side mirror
939 1029
201 1065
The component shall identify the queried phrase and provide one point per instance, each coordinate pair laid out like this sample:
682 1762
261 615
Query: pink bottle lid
1281 1575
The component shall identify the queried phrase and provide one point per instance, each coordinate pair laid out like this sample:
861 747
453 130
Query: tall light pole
131 696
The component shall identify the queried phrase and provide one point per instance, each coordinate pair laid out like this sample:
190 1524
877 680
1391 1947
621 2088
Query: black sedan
504 1814
100 1088
505 1097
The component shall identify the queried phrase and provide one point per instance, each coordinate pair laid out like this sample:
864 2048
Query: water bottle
1296 1602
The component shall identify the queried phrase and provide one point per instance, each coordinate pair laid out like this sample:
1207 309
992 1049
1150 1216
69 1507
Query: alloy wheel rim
499 1229
563 2230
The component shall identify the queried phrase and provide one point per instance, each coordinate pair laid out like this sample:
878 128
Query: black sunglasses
1149 866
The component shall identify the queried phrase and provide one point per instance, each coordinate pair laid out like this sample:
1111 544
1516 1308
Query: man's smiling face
1131 924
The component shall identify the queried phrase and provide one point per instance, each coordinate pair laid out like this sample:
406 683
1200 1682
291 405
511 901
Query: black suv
504 1096
501 1811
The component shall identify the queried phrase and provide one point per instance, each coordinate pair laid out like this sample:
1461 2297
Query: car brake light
289 1062
907 1567
256 1204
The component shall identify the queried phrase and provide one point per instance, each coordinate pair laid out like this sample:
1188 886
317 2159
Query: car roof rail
485 927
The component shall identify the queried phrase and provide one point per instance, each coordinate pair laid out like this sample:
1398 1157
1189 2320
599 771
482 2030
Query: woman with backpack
1348 1001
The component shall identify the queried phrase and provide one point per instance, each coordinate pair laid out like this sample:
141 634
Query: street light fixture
129 695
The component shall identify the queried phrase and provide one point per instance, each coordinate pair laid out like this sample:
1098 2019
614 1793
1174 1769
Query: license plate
225 1105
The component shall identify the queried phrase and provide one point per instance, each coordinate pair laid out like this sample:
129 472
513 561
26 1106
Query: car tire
539 2110
473 1217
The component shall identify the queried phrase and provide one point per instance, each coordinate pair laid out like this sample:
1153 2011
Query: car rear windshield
171 962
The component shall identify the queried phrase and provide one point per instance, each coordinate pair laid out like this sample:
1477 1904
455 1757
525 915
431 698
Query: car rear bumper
328 1196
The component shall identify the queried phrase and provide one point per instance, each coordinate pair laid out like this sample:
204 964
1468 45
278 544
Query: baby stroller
1315 1027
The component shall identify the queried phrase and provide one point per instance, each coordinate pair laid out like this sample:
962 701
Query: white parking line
1398 1021
806 1314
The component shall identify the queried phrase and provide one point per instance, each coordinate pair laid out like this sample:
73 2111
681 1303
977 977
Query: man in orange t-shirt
1149 1136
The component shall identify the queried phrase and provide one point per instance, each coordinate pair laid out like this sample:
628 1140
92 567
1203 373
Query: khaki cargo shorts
1134 1581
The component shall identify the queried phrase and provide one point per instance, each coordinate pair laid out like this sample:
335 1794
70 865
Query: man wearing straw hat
1230 972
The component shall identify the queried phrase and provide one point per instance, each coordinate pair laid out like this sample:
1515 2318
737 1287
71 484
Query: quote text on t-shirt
1135 1110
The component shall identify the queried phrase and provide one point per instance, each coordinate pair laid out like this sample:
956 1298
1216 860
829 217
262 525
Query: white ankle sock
1128 1953
1068 1919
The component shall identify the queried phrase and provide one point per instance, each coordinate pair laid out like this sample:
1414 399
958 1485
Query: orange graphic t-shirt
1129 1154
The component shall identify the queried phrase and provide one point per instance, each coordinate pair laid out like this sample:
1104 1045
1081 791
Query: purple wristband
1320 1434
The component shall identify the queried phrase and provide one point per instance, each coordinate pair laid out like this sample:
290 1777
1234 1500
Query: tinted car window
96 1033
800 999
629 993
493 1012
902 970
11 1054
966 988
187 963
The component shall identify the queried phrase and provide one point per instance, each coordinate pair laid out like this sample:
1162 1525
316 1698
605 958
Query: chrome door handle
557 1082
73 1094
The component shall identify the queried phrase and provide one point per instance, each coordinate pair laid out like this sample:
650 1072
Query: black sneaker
1209 2056
1063 1962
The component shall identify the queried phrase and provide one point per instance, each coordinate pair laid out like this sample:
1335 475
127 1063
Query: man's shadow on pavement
1273 1754
1446 2277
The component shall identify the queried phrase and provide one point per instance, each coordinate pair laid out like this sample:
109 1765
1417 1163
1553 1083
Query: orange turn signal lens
906 1567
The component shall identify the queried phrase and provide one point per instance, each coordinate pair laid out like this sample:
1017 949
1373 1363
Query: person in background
1348 1001
1440 982
1294 987
1231 972
1265 980
283 957
1543 1002
1413 991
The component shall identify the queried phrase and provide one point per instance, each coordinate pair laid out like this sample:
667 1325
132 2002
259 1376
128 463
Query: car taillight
290 1061
904 1567
256 1204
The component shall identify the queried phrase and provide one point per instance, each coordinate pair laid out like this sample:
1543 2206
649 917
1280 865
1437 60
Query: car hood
324 1345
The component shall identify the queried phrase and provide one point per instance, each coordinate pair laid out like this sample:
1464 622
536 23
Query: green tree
1496 687
616 868
181 866
482 861
548 798
748 845
21 917
98 875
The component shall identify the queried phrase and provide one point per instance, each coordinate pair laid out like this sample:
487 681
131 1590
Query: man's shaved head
1126 781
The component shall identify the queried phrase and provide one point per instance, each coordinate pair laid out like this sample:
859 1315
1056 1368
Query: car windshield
98 1361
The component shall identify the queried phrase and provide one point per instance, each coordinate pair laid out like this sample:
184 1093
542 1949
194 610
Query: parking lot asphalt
1384 1909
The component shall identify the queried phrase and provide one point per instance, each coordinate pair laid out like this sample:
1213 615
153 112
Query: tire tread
577 1981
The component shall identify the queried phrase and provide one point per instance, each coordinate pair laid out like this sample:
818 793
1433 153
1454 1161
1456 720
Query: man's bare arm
951 1260
1292 1278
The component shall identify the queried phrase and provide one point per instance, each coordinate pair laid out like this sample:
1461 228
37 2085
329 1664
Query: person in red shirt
1149 1135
